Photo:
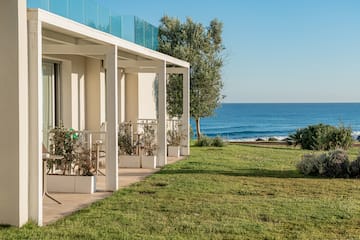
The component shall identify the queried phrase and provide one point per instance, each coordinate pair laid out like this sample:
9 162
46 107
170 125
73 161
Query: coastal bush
331 164
210 142
355 168
273 139
204 141
218 142
322 137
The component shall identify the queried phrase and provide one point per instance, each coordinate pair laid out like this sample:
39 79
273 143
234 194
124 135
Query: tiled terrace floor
73 202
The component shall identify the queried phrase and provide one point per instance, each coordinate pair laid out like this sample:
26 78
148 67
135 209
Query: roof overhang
75 38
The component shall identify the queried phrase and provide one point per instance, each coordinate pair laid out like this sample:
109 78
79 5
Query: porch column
185 142
14 113
112 119
161 130
35 122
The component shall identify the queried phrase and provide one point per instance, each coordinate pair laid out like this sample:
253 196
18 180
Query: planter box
71 184
129 161
174 151
184 151
148 161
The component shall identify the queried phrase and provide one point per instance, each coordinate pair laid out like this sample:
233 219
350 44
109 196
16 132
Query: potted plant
174 140
148 158
127 150
75 166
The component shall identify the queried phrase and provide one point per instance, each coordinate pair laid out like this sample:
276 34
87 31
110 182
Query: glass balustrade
95 15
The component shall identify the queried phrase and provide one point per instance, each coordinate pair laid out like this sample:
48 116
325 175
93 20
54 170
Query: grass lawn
235 192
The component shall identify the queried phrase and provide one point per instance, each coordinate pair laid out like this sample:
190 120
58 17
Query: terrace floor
72 202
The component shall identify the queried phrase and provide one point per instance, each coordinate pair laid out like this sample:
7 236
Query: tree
202 47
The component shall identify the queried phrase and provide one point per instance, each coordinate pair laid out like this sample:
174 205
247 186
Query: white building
58 69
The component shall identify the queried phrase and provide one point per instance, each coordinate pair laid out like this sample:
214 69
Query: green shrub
337 164
355 167
273 139
218 142
204 142
210 142
311 164
331 164
322 137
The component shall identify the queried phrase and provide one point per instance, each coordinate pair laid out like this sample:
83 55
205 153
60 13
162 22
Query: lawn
235 192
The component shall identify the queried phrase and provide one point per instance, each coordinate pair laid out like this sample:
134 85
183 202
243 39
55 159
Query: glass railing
93 14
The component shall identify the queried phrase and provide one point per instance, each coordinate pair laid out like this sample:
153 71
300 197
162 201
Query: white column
112 119
185 142
121 95
35 124
14 113
162 144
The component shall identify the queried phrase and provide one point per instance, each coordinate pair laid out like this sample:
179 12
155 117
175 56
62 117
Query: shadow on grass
284 147
238 173
4 226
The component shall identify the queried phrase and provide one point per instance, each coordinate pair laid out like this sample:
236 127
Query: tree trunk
198 133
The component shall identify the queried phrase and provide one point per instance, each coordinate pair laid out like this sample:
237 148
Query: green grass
235 192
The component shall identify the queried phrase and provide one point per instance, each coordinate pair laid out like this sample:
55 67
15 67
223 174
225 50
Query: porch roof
62 35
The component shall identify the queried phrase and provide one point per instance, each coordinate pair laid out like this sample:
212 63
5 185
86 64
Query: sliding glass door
49 99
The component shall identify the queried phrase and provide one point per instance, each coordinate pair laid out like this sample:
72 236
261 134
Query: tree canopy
202 47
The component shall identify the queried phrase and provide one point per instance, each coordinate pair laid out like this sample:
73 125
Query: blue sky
276 50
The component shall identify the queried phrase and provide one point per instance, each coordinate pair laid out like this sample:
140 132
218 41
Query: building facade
60 66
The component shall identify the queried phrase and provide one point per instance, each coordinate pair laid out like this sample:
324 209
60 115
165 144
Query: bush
355 168
337 164
210 142
204 142
322 137
218 142
332 164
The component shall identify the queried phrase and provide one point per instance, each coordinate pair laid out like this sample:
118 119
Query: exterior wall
147 95
131 98
14 117
92 93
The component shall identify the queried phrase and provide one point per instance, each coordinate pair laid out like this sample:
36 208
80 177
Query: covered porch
96 78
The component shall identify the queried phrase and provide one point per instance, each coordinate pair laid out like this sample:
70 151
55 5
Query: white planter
173 151
184 151
71 184
129 161
148 161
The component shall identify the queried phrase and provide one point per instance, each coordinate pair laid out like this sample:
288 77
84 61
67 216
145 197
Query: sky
276 50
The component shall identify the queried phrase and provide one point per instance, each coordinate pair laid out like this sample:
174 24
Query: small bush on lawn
218 142
331 164
355 168
210 142
323 137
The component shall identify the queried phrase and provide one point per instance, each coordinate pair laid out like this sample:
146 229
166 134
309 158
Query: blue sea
246 122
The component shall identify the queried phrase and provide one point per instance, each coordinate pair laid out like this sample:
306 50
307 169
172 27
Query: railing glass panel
95 15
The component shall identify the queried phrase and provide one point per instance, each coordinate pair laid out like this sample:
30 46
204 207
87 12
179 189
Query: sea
250 121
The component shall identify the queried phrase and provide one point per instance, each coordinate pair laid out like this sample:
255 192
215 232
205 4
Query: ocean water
236 121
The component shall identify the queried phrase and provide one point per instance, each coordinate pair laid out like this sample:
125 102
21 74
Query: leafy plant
355 167
331 164
62 142
125 142
76 156
174 137
149 139
210 142
322 137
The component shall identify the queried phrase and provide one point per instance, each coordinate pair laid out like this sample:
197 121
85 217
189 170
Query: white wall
14 113
147 98
131 97
92 93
